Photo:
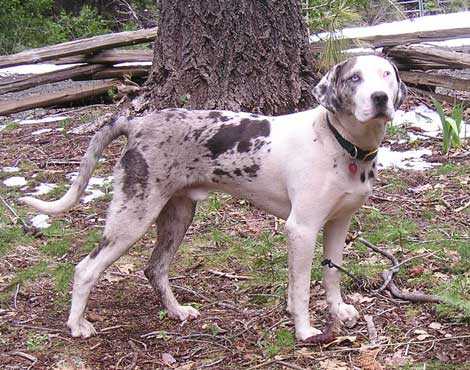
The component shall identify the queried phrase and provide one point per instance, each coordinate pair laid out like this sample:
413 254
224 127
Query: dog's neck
367 136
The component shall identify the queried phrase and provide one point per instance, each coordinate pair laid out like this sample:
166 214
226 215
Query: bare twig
25 356
466 205
290 366
16 296
387 277
228 275
371 330
13 212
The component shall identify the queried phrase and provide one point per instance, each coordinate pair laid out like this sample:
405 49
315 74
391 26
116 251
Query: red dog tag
352 167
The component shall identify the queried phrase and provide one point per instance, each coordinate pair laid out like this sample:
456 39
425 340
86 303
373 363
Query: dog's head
367 87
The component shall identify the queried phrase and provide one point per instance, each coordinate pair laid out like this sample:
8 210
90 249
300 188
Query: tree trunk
244 55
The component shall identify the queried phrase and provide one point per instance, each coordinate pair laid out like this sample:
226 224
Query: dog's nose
379 98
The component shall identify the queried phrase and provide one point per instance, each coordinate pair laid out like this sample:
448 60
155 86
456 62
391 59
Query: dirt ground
232 267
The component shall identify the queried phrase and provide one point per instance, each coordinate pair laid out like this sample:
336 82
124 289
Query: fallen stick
61 97
109 57
115 72
389 284
229 276
44 78
77 47
371 330
422 78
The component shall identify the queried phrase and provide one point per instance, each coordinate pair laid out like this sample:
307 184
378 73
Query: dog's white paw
81 328
346 313
183 313
305 333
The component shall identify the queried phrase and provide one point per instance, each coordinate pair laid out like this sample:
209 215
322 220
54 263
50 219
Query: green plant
86 24
35 342
451 126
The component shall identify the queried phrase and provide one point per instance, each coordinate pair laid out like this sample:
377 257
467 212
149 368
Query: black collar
353 150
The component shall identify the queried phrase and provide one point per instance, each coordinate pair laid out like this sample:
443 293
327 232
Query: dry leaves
333 365
367 359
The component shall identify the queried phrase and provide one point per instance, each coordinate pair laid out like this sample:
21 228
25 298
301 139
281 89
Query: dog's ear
326 91
402 89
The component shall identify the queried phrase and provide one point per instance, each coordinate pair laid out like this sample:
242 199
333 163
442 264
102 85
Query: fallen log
77 47
404 64
61 97
433 54
56 76
116 72
441 97
422 78
109 57
379 40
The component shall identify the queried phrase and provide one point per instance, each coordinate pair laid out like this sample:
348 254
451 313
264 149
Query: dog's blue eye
355 78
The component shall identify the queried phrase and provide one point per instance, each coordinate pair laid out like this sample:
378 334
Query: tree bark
243 55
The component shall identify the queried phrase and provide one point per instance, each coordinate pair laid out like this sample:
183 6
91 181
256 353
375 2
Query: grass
283 342
36 342
56 247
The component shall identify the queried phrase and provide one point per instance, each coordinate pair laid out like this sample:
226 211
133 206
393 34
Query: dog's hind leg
172 224
127 221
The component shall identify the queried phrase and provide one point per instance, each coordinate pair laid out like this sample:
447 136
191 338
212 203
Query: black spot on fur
136 173
335 164
373 164
251 170
169 116
214 115
145 147
229 136
363 176
225 118
139 134
371 174
244 146
103 244
197 133
196 160
237 172
220 172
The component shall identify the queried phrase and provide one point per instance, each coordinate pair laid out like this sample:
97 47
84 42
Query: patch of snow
34 69
427 23
49 119
40 221
10 169
407 160
427 120
95 182
41 131
44 188
15 181
133 64
93 194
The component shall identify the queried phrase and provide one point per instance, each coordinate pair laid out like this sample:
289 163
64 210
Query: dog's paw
305 333
346 313
82 328
183 313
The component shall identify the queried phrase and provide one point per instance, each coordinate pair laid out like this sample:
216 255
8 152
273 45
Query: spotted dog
313 169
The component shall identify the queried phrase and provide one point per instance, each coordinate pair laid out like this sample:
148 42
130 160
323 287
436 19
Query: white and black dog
313 169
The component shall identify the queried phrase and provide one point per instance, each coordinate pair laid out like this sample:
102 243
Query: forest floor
420 216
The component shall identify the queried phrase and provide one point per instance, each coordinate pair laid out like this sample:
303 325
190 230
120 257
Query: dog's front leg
335 232
301 247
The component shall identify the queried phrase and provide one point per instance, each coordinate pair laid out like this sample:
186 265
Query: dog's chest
355 189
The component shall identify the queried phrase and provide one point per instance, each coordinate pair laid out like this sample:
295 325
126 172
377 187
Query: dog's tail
97 144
